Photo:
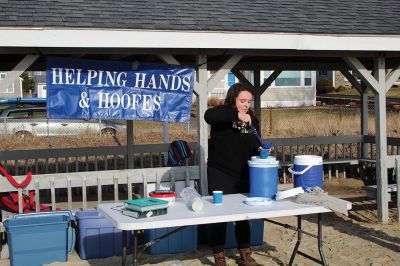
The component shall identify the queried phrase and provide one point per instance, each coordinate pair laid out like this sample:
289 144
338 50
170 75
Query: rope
13 182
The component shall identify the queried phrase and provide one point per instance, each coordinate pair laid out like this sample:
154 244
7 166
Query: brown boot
246 259
219 259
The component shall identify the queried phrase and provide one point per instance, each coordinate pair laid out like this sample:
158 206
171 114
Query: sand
354 240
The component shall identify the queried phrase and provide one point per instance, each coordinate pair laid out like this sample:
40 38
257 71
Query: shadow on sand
362 214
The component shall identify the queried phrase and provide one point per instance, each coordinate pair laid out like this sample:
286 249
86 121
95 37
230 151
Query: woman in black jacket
231 144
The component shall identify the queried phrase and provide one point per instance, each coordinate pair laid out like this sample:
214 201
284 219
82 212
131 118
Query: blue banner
93 89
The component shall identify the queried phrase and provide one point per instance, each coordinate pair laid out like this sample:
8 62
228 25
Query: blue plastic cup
217 197
264 153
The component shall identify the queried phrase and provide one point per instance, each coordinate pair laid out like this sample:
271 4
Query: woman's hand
246 118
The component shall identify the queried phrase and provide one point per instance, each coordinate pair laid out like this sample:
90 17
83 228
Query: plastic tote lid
256 161
307 160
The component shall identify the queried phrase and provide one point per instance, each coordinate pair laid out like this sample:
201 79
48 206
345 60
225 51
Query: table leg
319 238
135 252
321 251
135 248
124 242
296 247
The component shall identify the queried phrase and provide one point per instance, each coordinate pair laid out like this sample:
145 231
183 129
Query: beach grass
275 123
394 92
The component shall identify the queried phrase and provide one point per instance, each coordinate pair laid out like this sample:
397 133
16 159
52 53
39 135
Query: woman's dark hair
233 93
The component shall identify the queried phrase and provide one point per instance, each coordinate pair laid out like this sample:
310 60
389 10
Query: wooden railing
338 153
90 183
126 179
94 168
46 161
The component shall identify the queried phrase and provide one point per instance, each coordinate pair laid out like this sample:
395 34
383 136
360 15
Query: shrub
342 88
324 85
330 89
214 101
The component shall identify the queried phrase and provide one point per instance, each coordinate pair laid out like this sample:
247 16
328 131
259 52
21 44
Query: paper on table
118 207
336 206
289 193
257 201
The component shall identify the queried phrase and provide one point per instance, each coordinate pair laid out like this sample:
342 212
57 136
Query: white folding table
232 209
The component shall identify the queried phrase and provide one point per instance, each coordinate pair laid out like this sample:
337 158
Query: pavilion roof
366 17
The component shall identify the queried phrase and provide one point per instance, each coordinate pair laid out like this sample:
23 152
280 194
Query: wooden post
203 127
129 143
364 120
378 85
363 89
381 142
169 59
270 120
396 167
257 94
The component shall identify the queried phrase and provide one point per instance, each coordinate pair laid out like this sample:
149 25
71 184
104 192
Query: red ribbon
13 182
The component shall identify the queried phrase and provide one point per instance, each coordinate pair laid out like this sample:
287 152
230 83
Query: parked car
25 121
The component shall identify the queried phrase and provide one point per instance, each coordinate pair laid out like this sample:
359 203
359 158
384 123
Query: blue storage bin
66 213
181 241
97 237
256 234
37 240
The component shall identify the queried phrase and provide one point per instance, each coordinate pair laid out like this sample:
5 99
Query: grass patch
275 122
394 92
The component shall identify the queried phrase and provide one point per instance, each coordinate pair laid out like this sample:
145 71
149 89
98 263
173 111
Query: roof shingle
284 16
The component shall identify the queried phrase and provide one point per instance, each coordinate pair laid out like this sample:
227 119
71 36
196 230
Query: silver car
26 121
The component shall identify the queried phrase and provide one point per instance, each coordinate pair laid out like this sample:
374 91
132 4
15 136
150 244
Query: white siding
288 97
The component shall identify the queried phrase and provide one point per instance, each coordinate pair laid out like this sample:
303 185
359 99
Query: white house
289 89
40 84
12 91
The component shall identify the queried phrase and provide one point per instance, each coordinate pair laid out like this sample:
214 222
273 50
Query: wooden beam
257 94
352 80
224 70
360 69
17 71
283 65
381 140
397 169
269 81
169 59
129 144
202 128
242 79
392 77
364 117
118 56
192 51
